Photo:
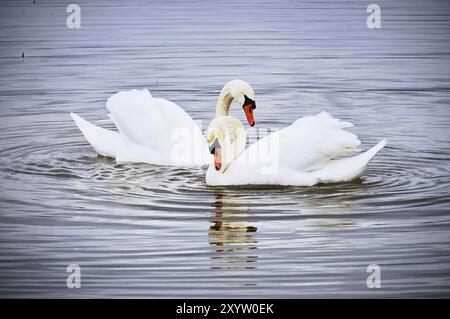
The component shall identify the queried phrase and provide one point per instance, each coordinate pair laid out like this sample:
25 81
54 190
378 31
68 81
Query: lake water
147 231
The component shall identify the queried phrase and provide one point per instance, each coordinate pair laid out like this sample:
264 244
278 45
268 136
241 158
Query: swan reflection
231 235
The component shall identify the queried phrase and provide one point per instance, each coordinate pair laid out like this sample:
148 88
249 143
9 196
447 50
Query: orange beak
218 158
248 109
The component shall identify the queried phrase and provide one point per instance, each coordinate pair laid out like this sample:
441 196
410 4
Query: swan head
244 94
218 139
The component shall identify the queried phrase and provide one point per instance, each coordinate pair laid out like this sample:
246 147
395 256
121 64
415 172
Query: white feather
301 154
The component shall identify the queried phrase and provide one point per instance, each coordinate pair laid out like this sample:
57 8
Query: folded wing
306 145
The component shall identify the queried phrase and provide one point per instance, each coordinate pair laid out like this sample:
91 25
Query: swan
302 154
157 131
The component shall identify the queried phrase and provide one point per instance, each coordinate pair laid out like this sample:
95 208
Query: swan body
157 131
150 130
302 154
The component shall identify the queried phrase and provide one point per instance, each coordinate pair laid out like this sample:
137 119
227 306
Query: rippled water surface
147 231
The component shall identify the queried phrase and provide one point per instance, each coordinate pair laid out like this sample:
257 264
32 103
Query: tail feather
348 169
105 142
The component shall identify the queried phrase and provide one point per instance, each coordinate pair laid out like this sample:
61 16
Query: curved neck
240 140
224 102
235 149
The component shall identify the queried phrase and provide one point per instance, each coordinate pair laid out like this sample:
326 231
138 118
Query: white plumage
150 130
157 131
301 154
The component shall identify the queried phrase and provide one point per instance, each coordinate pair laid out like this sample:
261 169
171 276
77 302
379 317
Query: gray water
147 231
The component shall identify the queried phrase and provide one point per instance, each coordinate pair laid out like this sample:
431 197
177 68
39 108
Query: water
148 231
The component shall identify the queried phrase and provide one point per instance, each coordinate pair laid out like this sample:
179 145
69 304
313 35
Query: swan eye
212 148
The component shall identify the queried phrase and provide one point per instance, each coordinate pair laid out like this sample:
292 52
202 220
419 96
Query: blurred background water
147 231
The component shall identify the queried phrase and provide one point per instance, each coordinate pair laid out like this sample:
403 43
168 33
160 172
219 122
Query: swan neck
240 141
236 148
224 102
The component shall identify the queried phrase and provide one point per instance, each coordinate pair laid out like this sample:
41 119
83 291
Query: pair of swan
157 131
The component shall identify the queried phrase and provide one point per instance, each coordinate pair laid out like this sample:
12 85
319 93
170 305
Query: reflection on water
234 240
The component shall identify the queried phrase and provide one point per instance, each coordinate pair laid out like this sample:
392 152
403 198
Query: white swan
301 154
157 131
